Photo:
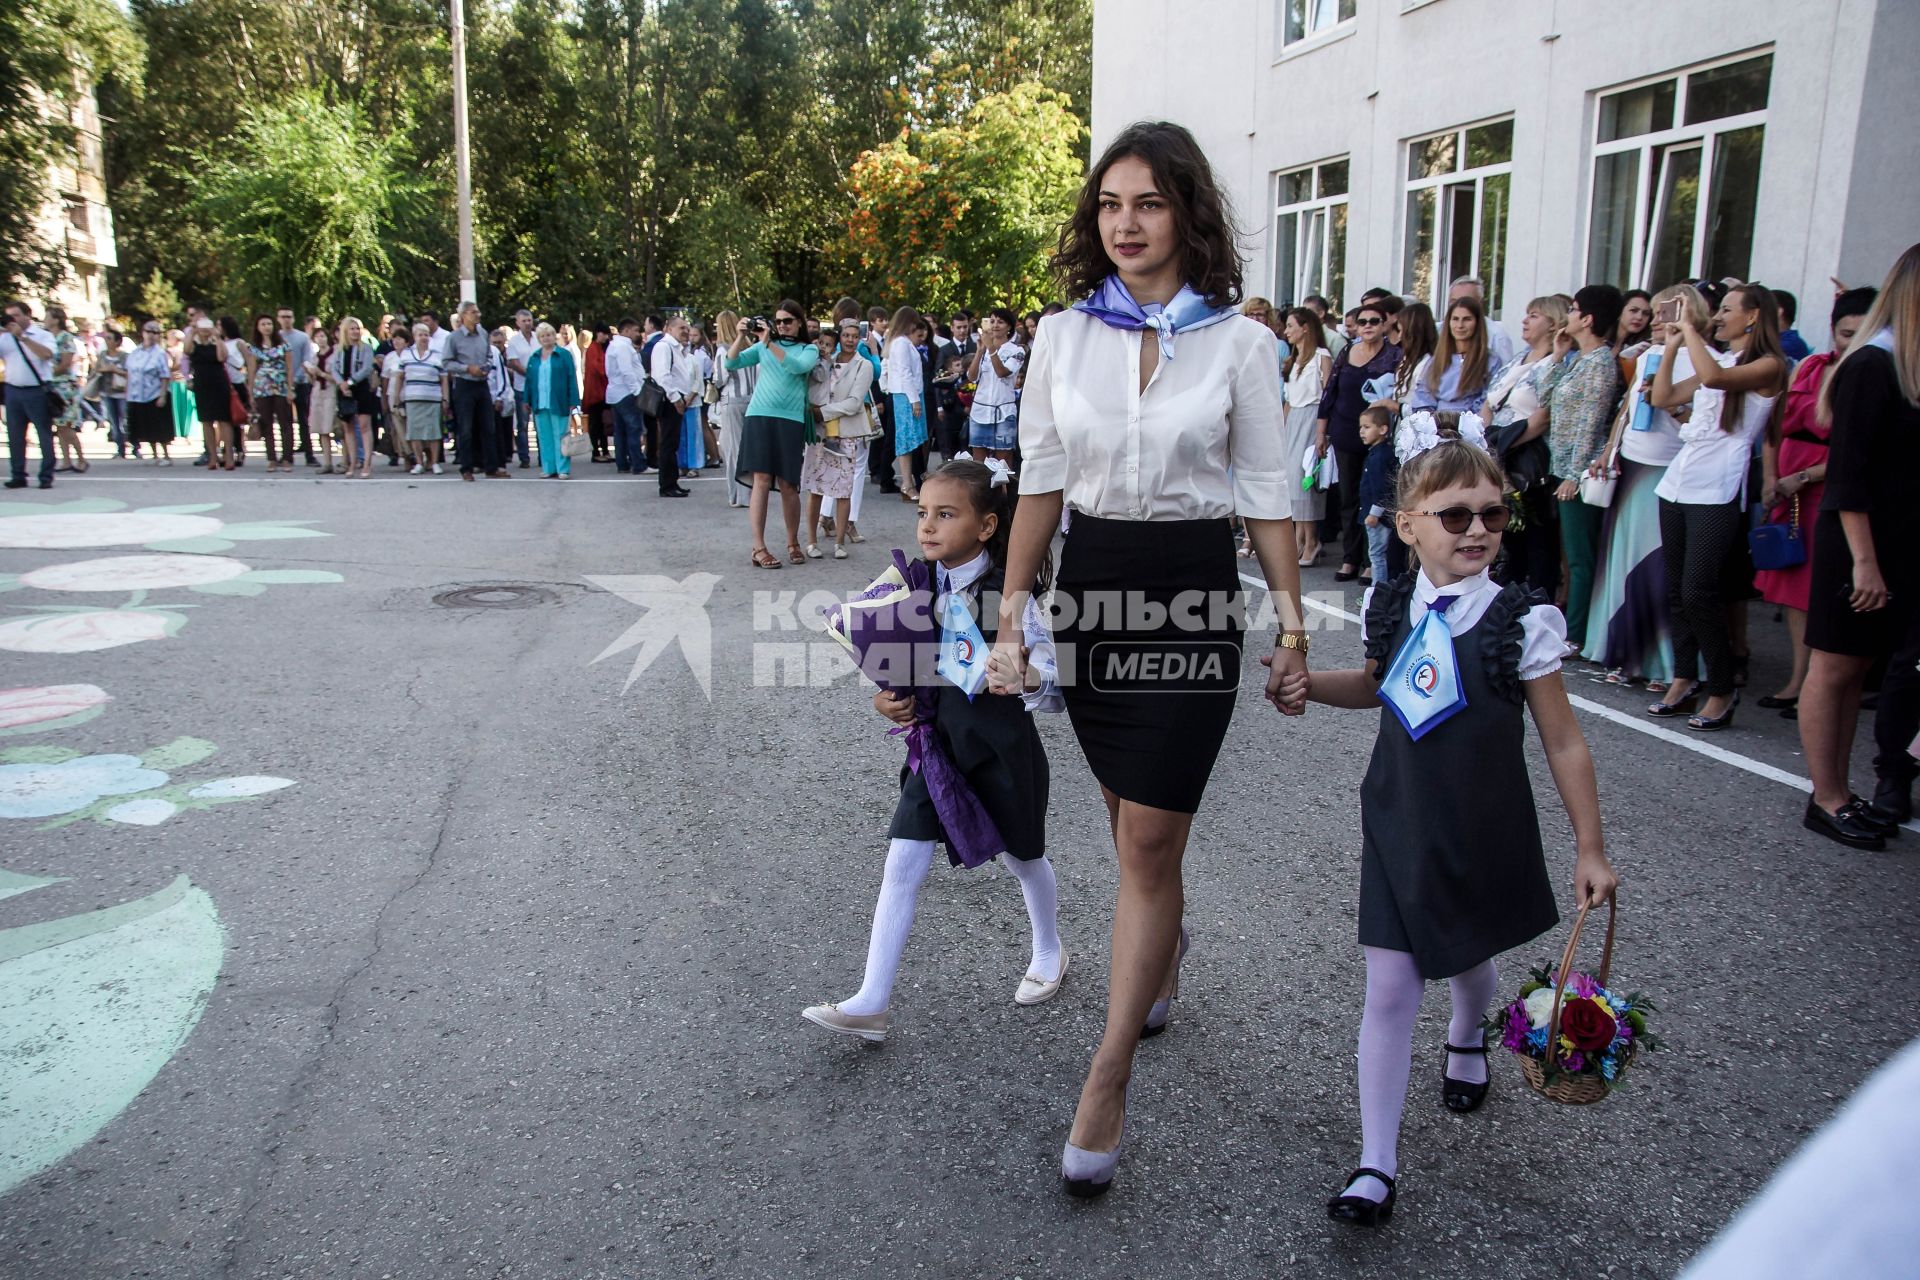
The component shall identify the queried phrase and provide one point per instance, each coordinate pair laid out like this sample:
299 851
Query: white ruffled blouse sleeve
1043 660
1544 641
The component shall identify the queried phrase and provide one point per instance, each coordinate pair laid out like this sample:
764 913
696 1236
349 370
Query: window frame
1305 210
1653 147
1439 184
1339 28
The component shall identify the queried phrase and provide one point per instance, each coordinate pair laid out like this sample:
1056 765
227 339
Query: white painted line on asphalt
1759 768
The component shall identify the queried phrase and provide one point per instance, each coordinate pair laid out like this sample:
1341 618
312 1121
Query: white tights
908 862
1386 1050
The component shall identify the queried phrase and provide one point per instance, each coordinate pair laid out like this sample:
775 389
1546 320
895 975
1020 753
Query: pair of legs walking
908 862
1394 988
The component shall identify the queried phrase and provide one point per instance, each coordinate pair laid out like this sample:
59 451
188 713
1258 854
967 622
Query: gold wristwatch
1293 640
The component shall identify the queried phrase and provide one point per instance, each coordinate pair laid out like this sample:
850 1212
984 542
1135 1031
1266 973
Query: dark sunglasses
1460 519
1370 320
785 320
150 329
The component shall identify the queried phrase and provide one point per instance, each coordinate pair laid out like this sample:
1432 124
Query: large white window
1676 175
1310 233
1459 184
1302 20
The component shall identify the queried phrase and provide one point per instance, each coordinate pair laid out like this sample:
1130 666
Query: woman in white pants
736 389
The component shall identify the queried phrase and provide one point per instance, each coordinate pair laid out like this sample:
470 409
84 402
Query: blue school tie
963 650
1422 683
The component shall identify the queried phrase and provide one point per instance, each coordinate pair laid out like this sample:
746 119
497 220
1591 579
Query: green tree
306 202
967 214
159 299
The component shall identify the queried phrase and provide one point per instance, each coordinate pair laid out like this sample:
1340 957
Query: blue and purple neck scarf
1113 305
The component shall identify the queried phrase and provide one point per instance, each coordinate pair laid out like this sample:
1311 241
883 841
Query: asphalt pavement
512 972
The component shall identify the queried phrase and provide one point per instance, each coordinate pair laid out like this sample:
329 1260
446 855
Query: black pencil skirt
1148 617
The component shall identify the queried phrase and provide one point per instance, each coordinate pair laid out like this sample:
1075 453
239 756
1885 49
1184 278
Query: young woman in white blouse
1703 495
1305 371
1137 402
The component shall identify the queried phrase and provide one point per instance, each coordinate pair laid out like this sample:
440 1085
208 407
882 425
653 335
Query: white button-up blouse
1117 452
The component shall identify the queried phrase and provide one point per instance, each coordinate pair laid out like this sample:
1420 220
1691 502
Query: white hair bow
1419 432
1000 472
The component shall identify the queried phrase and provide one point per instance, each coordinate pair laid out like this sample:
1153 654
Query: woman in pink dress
1795 467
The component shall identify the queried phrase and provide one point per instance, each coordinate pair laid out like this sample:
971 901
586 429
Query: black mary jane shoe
1666 710
1713 724
1462 1096
1843 827
1345 575
1772 703
1359 1210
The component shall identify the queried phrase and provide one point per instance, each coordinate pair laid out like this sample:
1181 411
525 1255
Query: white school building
1537 144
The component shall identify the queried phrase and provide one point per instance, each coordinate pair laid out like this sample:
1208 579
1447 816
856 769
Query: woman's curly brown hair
1202 216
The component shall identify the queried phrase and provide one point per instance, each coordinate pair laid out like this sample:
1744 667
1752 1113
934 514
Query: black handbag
653 399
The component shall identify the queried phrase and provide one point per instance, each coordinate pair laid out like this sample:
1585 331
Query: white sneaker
839 553
415 471
813 551
436 469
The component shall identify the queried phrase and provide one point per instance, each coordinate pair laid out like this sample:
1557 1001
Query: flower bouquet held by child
1452 871
976 774
1574 1036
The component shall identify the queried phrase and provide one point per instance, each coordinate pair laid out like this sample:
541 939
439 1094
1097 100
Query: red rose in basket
1590 1027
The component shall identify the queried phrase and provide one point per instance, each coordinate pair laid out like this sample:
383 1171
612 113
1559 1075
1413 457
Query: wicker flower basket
1574 1090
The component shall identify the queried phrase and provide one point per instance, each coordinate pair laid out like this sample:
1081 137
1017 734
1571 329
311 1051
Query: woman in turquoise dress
553 393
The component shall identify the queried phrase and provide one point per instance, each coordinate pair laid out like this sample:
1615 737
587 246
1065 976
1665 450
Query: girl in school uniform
965 514
1452 874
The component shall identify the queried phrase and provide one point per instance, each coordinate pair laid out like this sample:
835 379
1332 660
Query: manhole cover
497 596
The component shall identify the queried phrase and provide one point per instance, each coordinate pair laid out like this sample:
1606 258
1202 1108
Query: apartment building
1537 144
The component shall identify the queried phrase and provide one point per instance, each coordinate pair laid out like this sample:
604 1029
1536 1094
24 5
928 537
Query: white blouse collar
966 575
1426 593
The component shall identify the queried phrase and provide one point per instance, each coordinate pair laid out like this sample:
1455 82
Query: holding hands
1288 681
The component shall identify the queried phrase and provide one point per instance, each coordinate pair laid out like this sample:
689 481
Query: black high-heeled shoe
1685 705
1359 1210
1462 1096
1711 724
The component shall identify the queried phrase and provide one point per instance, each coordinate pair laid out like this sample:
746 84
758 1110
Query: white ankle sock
1386 1059
1473 994
1043 912
908 862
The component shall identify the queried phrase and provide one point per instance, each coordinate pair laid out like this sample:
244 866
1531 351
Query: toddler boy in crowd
1376 486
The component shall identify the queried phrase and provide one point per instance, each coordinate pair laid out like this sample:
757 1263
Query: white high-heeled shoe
1089 1173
